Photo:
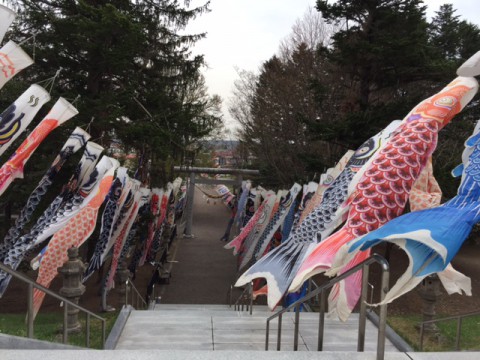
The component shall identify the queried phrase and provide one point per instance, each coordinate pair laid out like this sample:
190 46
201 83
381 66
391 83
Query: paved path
202 270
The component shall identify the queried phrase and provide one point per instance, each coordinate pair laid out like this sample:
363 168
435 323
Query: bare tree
310 30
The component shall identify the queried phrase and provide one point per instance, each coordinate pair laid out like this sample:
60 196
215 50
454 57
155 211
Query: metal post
189 207
421 336
267 335
103 333
382 322
321 321
87 335
279 333
65 322
251 298
459 331
126 293
362 321
30 312
297 326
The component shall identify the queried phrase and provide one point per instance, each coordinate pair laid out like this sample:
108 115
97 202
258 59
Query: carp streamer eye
365 151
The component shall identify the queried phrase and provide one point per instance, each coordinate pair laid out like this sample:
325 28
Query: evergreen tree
454 41
381 50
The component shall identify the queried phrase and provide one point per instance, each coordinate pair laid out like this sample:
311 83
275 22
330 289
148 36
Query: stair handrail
365 266
66 303
138 296
459 319
239 303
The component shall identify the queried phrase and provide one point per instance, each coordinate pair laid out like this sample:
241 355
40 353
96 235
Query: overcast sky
244 33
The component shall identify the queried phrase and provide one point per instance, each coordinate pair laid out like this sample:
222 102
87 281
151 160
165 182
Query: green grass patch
49 326
407 328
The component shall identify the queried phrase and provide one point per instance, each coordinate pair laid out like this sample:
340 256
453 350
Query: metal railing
459 319
245 300
365 266
135 296
66 303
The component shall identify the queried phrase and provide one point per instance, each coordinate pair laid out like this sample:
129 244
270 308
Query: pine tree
381 50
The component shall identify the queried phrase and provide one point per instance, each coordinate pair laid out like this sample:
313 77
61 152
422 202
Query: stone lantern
122 275
430 291
73 288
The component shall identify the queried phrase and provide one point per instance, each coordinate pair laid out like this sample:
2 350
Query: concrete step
222 355
218 355
214 328
204 307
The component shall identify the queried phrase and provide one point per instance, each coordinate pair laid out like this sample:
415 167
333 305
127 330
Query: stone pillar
122 276
189 207
429 291
73 288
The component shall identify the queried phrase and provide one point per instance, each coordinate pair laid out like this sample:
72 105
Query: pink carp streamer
75 232
383 190
260 215
13 168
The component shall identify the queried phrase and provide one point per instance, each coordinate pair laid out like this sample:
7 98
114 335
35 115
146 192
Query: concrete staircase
218 327
216 332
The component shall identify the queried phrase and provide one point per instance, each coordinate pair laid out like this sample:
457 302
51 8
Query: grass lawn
49 327
405 326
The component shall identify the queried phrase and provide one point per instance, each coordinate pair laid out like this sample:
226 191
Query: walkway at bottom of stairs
222 355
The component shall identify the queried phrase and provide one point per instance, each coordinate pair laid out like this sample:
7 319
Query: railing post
321 321
297 327
126 293
251 298
421 336
382 322
459 331
362 321
267 335
279 333
103 333
65 322
30 311
87 335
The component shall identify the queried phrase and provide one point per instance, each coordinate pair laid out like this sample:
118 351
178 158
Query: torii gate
193 180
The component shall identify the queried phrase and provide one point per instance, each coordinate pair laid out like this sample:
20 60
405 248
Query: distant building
225 153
